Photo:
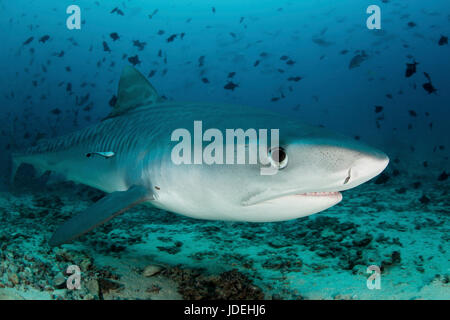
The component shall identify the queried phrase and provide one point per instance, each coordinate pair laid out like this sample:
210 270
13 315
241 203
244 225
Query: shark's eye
278 157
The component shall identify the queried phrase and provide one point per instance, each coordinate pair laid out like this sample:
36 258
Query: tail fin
17 160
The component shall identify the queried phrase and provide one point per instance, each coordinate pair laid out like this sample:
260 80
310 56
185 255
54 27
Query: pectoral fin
102 211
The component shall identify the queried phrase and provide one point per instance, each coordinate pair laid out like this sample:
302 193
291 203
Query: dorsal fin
134 91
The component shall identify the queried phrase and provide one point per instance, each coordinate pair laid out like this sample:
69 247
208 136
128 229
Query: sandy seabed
399 223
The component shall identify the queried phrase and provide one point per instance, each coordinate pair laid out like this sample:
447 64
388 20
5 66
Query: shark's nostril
348 176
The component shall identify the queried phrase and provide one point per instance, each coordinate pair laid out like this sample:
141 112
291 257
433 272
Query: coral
230 285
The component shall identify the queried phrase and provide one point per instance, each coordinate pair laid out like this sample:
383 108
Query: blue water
44 81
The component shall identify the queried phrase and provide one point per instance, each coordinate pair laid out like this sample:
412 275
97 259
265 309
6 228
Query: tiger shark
128 156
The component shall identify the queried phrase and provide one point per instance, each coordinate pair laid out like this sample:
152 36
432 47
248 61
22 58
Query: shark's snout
368 166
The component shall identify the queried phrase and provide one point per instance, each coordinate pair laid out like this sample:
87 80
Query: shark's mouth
320 194
262 197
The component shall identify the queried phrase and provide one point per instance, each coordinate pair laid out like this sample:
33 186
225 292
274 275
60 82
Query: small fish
106 155
412 113
295 79
140 45
410 69
55 111
322 42
205 80
429 87
114 36
256 63
290 62
378 109
134 60
171 38
201 61
443 40
160 32
28 41
44 38
118 11
231 74
150 16
106 47
230 86
357 60
152 73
